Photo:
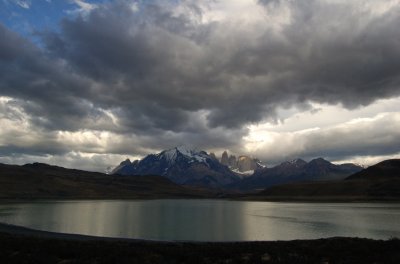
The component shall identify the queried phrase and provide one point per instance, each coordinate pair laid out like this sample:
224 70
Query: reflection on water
207 220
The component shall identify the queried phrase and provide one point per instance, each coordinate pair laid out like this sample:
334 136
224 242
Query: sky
86 84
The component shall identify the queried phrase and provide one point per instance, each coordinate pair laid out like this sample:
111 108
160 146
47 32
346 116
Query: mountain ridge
296 170
188 166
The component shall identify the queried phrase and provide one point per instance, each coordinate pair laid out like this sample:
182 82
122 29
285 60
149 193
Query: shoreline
30 232
24 245
11 229
283 199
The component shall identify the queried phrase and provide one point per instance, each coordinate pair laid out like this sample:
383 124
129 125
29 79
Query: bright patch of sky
29 16
334 128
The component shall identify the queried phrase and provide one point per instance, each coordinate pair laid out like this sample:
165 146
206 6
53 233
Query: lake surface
207 220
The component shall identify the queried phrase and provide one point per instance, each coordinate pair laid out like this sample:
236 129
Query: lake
207 220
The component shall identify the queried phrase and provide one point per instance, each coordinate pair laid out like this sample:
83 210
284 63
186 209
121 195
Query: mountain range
182 165
42 181
186 166
296 170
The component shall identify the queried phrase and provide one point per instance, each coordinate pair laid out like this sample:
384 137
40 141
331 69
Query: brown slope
44 181
386 169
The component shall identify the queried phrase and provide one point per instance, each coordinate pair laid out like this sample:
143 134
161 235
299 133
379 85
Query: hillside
39 180
378 182
383 170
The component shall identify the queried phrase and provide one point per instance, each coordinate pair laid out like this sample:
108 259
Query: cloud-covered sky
86 84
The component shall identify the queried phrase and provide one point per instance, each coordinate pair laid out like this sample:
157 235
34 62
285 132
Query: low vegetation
17 248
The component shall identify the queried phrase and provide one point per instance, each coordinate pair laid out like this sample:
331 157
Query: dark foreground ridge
20 245
42 181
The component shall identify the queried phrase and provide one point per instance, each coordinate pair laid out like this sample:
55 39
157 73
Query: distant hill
378 182
383 170
183 166
40 180
296 170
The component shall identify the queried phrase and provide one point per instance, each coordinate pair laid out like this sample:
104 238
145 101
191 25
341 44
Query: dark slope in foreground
44 181
387 169
24 246
378 182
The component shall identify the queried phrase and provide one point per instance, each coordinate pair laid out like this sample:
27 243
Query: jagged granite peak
212 155
246 163
182 165
232 162
225 158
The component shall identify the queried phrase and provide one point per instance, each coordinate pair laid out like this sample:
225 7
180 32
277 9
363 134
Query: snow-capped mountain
182 165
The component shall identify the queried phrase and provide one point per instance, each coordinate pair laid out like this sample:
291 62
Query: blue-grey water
207 220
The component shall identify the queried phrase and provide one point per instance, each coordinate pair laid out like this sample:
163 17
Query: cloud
364 136
327 53
73 160
23 139
83 8
23 3
157 73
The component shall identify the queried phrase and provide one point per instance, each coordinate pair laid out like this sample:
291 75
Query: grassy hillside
387 169
34 181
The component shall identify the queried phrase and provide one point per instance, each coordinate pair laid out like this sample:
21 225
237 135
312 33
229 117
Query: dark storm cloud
172 63
165 75
52 95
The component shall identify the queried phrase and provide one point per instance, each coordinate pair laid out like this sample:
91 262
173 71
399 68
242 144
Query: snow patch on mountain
243 174
259 164
193 155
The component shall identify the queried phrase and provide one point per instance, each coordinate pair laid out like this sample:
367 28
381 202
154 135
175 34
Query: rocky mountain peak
319 161
212 155
294 163
126 162
171 155
182 165
225 158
